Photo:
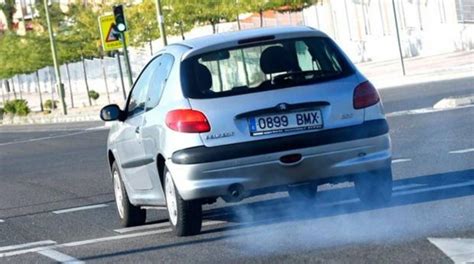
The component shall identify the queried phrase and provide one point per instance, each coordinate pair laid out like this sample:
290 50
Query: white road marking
82 208
407 186
59 257
400 160
213 222
1 221
427 189
159 225
424 111
44 138
97 128
141 228
113 238
460 250
461 151
27 245
96 240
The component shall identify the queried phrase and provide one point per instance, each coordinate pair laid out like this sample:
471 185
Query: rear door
316 91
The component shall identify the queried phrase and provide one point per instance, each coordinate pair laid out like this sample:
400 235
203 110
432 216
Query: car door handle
137 130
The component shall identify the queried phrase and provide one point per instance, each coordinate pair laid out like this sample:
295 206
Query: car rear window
262 67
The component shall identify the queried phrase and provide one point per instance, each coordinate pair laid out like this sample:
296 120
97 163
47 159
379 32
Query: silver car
239 114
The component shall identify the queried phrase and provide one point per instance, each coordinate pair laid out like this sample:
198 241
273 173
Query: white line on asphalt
400 160
427 189
113 238
96 240
460 250
461 151
424 111
27 245
44 138
59 257
1 221
407 186
82 208
141 228
159 225
104 127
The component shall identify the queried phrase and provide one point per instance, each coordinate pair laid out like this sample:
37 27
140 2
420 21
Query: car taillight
365 95
187 121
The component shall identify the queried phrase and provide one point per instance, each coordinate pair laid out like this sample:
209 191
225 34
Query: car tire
185 216
303 192
375 188
129 214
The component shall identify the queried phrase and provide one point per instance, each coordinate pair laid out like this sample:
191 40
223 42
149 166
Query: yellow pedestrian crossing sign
108 34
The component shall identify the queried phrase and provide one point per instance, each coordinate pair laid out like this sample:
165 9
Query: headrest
275 59
204 78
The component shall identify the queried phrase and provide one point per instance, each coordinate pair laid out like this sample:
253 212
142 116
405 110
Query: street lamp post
161 22
398 38
59 84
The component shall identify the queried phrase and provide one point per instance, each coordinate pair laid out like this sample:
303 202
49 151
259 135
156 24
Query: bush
93 95
50 104
9 107
17 107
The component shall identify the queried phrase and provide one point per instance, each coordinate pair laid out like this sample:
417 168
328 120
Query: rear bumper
209 172
204 154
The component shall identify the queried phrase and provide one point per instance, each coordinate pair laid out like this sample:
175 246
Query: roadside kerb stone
454 102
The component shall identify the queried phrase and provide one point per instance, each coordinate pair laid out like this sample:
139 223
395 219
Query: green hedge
17 107
50 104
93 95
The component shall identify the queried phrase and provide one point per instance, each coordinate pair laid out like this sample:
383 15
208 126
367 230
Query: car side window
158 80
137 101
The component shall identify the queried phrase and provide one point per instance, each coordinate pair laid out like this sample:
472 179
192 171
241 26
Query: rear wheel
129 214
374 188
303 192
185 216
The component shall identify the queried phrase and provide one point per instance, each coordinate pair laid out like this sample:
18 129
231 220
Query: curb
48 120
447 103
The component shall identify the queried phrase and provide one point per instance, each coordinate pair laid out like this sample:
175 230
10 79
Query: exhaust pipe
236 193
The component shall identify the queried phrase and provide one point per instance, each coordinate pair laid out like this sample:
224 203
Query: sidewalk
385 74
448 66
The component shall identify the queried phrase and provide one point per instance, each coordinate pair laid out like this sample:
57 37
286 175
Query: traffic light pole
127 60
121 75
59 84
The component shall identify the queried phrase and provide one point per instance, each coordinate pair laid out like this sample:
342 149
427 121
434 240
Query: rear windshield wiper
302 76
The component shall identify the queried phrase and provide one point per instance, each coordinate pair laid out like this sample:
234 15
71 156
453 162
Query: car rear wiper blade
302 76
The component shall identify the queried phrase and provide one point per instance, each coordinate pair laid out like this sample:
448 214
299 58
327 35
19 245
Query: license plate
288 122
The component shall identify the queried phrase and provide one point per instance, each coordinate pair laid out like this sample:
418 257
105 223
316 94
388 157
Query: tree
206 11
142 23
261 6
178 18
81 36
8 8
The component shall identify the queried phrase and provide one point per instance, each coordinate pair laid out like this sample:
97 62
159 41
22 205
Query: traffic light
120 23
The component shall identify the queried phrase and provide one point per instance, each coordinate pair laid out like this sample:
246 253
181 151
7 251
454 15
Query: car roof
229 39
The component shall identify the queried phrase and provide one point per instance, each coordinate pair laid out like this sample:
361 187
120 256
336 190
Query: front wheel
129 214
185 216
375 188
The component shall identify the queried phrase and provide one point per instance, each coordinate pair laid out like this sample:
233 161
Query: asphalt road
46 172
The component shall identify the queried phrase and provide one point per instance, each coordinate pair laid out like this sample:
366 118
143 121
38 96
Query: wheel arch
110 158
160 165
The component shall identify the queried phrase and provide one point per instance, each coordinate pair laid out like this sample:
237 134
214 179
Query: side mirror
111 113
